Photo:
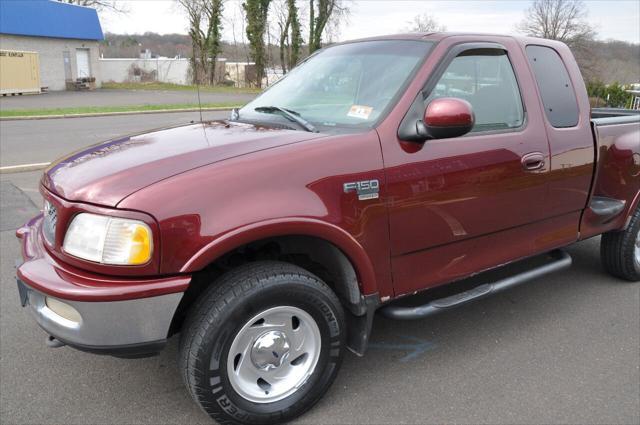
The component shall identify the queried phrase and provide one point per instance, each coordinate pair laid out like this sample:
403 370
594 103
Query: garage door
82 60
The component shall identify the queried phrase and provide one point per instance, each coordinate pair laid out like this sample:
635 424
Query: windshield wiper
288 114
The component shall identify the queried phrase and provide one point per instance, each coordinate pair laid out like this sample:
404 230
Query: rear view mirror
446 117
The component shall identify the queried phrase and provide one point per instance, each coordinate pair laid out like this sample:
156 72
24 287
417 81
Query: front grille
50 220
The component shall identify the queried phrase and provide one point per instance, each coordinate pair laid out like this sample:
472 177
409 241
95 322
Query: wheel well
313 254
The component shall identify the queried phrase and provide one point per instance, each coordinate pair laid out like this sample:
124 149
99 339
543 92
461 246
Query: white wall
51 59
167 70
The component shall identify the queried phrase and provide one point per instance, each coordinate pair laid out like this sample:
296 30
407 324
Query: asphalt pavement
563 349
36 141
109 97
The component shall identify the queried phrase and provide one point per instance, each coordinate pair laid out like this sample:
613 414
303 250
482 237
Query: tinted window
489 84
556 90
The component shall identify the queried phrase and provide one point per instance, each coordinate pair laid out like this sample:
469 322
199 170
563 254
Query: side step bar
560 260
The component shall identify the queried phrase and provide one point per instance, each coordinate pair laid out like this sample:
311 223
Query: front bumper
122 317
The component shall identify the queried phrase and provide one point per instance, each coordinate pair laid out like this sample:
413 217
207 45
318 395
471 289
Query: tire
620 251
262 311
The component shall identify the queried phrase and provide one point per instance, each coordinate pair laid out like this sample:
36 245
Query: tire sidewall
215 388
632 236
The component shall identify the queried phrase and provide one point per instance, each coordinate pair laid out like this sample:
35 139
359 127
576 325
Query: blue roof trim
44 18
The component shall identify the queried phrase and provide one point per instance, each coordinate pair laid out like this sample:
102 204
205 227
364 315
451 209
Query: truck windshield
346 85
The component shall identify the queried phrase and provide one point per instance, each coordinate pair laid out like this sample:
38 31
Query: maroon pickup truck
374 170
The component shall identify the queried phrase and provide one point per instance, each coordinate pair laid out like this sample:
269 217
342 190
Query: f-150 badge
366 189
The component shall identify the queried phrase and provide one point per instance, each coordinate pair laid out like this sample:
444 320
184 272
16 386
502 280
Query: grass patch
12 113
178 87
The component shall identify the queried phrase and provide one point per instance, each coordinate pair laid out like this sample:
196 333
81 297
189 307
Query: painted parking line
24 167
413 347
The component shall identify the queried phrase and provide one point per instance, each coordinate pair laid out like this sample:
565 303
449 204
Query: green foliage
612 95
617 96
596 88
324 16
296 34
320 11
205 31
257 12
290 37
214 12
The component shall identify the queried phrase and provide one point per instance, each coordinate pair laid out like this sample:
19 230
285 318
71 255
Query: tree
290 35
425 23
98 4
213 10
321 12
296 34
205 30
257 12
563 20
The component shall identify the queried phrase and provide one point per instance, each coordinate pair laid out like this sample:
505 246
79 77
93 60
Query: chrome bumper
127 328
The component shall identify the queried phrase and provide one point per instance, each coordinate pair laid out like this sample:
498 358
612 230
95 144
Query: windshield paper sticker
359 111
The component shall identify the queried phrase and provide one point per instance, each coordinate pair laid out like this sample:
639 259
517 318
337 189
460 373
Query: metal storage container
19 72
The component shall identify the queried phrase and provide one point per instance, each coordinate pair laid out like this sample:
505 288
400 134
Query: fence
176 71
118 70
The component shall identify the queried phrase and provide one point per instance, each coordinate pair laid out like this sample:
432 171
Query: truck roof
437 36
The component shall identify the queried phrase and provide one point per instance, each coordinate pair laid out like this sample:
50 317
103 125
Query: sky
613 19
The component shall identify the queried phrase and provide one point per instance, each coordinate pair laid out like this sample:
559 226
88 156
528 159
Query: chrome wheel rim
274 354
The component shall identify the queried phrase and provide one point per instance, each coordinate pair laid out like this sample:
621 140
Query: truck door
464 204
568 127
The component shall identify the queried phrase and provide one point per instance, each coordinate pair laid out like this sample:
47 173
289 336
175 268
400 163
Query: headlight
109 240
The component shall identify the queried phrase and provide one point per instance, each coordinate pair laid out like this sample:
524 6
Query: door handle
533 161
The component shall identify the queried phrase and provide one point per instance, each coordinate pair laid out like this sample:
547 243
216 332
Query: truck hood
106 173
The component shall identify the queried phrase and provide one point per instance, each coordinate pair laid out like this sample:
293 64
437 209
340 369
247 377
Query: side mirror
446 117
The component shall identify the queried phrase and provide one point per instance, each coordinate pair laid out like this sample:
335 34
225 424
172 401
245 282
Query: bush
612 95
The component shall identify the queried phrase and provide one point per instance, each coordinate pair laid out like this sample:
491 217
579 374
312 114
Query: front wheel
263 345
620 251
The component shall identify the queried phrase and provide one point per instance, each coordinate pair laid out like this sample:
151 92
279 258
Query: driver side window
488 83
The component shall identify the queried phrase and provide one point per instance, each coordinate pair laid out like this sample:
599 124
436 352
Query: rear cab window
557 92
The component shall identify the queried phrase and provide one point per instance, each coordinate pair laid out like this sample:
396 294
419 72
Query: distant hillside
606 61
130 46
169 45
614 61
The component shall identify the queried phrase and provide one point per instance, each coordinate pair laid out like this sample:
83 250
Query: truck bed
617 138
608 116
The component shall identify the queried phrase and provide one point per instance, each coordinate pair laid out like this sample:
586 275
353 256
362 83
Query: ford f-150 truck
376 169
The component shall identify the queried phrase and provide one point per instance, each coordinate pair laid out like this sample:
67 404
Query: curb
109 114
24 167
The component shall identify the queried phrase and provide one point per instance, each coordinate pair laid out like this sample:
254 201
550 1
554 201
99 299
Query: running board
560 260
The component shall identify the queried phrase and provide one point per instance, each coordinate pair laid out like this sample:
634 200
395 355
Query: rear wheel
263 344
620 251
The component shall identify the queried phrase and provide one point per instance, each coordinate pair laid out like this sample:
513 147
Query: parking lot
36 141
564 349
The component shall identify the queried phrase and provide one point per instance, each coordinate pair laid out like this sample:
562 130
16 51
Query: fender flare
293 226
